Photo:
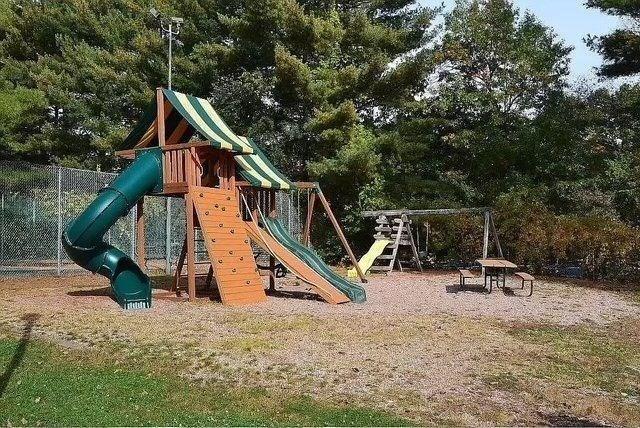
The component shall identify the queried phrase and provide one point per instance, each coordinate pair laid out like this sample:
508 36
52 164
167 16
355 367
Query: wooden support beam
232 172
272 261
306 185
409 213
131 153
180 266
160 117
340 233
140 235
191 262
485 240
307 226
414 249
496 240
126 154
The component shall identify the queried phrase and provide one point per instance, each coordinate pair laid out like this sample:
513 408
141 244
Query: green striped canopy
259 171
201 115
186 115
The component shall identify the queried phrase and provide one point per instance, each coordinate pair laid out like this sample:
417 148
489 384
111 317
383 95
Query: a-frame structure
399 235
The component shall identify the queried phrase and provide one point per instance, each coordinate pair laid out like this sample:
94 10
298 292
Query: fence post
133 214
2 230
167 243
59 237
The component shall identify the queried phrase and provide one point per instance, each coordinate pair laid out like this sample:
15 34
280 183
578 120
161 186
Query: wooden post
160 117
180 266
222 165
232 173
496 240
338 229
140 236
416 255
307 226
485 241
191 267
272 261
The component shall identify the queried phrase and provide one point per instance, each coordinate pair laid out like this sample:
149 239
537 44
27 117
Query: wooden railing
181 168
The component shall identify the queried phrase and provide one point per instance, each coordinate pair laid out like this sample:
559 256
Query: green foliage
533 235
621 48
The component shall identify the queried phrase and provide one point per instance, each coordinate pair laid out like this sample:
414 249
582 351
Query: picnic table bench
526 277
464 275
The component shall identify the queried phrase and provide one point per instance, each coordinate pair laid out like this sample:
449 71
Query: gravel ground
433 293
418 346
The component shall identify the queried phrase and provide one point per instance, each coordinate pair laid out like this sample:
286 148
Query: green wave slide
277 230
83 238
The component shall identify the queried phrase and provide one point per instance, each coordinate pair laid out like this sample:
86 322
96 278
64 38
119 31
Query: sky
572 21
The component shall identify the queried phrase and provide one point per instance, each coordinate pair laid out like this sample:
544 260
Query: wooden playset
182 148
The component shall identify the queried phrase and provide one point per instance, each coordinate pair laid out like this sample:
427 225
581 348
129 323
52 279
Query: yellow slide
367 260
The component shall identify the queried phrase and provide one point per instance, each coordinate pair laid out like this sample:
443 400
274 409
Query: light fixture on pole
169 27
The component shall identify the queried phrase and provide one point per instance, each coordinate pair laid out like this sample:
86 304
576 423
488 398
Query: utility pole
170 28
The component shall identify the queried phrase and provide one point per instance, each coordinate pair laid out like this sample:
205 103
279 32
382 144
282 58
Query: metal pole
167 242
2 231
133 215
170 51
59 270
426 239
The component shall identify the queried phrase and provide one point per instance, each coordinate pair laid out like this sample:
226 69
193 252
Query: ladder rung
385 257
380 268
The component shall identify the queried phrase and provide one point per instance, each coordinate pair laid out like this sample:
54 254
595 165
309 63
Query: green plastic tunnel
83 238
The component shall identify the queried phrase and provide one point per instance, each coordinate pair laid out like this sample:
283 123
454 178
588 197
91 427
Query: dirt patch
418 347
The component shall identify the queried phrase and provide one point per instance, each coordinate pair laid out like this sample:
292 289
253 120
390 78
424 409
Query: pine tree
621 48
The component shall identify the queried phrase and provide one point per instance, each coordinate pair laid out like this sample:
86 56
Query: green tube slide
83 238
277 230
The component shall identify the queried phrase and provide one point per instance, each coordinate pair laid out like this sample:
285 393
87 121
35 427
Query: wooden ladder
401 234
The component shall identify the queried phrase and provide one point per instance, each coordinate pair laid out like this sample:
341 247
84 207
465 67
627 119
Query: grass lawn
47 385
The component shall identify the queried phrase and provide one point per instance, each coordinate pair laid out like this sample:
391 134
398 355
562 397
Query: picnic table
495 270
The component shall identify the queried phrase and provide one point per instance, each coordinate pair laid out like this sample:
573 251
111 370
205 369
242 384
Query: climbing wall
228 246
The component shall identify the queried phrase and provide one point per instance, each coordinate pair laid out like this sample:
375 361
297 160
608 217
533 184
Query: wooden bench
526 277
464 275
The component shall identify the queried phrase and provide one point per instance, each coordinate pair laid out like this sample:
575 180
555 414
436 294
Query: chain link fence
37 202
